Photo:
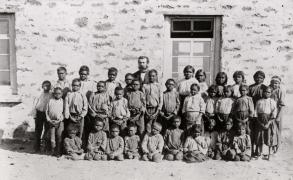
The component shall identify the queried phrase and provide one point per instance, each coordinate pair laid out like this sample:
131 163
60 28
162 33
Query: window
192 40
7 53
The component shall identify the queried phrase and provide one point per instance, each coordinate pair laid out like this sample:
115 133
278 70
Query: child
210 103
40 116
239 78
183 87
62 82
256 89
154 99
278 94
224 106
97 142
266 127
128 80
224 142
87 86
152 144
193 107
241 145
115 144
221 82
210 136
171 104
111 82
99 105
174 141
132 143
195 148
54 115
136 104
76 106
119 110
72 144
201 76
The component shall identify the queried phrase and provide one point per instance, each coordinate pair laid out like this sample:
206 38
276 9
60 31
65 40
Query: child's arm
177 104
121 147
91 112
186 144
251 107
144 144
161 144
126 147
184 107
104 142
78 143
248 146
202 106
235 146
89 143
85 106
47 113
143 101
127 109
66 106
67 147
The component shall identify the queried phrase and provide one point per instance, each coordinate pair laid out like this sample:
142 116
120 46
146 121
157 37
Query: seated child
201 76
195 148
136 104
97 142
72 144
111 82
211 136
115 144
132 143
224 142
171 104
128 81
241 145
193 107
54 115
173 137
239 79
152 144
119 110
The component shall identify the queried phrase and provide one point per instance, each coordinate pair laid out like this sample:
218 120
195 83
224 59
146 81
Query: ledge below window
10 99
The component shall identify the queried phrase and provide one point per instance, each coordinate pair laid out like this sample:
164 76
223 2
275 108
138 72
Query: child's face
132 131
200 77
228 93
212 93
115 132
176 122
228 126
153 77
267 93
46 87
188 73
275 84
155 131
83 75
61 74
72 134
259 79
100 87
242 131
170 85
221 79
194 90
136 85
238 79
119 94
196 134
58 94
243 91
112 75
128 80
98 126
75 86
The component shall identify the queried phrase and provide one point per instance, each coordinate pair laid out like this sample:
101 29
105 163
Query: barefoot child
241 144
152 144
174 140
115 144
72 144
132 143
111 82
210 136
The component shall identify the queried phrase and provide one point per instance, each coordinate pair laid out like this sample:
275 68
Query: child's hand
111 155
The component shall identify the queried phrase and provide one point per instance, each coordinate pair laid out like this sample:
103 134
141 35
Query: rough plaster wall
256 35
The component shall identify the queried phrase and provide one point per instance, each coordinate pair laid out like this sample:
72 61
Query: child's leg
157 157
52 135
39 125
145 157
88 156
150 120
169 157
81 125
59 132
179 156
119 157
245 158
229 155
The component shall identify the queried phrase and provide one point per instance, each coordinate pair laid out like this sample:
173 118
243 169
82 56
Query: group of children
189 121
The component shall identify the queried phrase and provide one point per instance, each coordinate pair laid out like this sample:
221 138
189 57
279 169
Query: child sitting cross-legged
115 144
132 143
72 144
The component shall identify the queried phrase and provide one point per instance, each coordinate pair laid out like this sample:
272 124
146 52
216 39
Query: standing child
111 82
171 104
40 116
54 115
115 144
224 106
195 148
152 144
174 141
154 99
241 144
211 136
132 143
119 110
201 76
221 82
97 142
72 144
137 106
193 108
62 82
76 106
87 86
239 79
266 127
210 103
128 81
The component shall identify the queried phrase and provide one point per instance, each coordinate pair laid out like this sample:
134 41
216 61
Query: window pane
201 48
182 25
4 46
208 78
206 64
175 76
3 26
4 77
181 48
192 34
202 25
174 64
4 62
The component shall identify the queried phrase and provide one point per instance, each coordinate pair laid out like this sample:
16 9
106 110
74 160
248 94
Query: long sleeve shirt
242 104
72 145
211 138
194 104
184 86
152 143
64 85
115 145
173 139
99 103
256 92
266 106
54 110
242 144
224 105
132 143
110 87
171 102
136 99
98 141
279 95
210 105
119 108
153 94
76 103
196 144
41 102
87 86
